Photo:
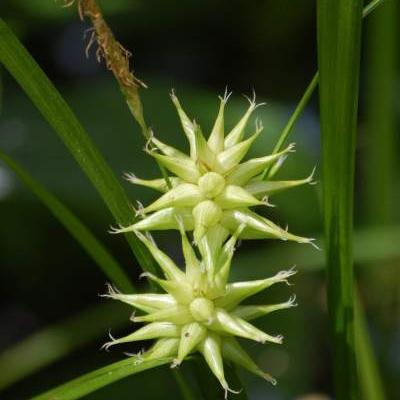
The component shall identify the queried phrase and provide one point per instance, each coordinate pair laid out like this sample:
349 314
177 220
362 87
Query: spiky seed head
200 311
214 180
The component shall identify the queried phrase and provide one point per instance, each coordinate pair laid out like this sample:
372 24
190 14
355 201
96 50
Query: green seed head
200 311
214 170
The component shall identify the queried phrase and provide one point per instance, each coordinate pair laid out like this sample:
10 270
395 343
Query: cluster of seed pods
210 193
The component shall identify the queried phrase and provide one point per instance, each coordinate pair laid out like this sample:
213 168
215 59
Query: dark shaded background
197 48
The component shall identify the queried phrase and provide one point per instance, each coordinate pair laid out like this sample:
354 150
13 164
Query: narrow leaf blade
56 111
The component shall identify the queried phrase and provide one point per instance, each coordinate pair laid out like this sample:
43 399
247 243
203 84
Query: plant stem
268 173
339 45
370 380
287 130
117 60
380 148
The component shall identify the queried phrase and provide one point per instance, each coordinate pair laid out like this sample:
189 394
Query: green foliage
339 43
56 111
339 91
75 227
99 378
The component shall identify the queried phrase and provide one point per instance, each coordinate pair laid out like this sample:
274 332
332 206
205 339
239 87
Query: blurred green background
198 48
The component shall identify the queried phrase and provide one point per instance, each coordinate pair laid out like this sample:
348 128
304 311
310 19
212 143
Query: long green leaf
368 371
55 342
339 44
99 378
56 111
75 227
380 158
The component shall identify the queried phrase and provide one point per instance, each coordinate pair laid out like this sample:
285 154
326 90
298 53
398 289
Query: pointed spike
236 134
205 156
224 322
169 150
183 195
148 302
162 348
169 268
192 264
191 336
184 169
234 154
257 227
156 184
234 352
181 291
216 138
211 350
187 125
242 173
225 260
251 312
210 245
238 291
177 315
162 220
147 332
236 197
268 188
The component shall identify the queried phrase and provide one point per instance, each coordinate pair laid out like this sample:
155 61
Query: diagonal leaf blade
99 378
56 111
75 227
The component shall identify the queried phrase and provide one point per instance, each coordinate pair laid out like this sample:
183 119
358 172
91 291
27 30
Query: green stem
370 380
380 163
287 130
268 173
339 47
184 388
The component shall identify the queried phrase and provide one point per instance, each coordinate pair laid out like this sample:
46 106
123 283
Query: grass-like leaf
301 105
339 44
381 159
370 380
56 111
75 227
99 378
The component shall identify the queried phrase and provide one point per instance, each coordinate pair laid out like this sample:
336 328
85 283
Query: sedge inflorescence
201 311
210 192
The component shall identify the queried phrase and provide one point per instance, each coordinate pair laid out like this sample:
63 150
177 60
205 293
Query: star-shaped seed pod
212 189
200 311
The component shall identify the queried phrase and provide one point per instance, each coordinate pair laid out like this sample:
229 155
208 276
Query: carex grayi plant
208 193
